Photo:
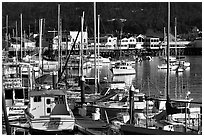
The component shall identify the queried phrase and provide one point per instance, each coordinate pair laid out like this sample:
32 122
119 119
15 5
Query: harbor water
151 80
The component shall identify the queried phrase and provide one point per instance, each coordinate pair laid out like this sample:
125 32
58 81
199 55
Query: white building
140 41
132 42
68 42
124 43
73 35
28 44
111 42
152 42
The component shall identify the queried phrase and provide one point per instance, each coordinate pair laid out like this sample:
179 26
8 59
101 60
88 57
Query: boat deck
86 125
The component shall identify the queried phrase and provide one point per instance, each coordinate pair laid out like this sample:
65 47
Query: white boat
164 66
123 68
87 64
99 60
49 111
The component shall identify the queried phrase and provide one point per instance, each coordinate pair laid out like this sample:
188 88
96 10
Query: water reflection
151 80
128 79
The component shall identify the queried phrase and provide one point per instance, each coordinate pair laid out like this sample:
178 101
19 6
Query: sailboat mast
59 42
165 40
168 31
81 50
95 72
7 31
40 43
24 36
175 36
21 16
16 41
98 44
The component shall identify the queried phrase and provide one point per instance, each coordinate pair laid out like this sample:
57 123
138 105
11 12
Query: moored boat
49 111
123 68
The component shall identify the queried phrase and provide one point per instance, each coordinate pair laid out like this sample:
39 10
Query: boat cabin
48 102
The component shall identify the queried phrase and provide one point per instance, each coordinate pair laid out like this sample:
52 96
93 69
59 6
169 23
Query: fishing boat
49 111
123 68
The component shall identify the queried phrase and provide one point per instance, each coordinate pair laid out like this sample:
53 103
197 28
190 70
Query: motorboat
49 111
123 68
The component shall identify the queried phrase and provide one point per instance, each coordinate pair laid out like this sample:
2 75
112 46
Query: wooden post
8 130
185 118
131 102
82 80
146 113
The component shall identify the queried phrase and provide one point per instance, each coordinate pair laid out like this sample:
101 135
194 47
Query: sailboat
170 109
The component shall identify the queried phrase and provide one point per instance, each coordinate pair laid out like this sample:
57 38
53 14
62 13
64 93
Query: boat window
138 99
37 99
48 110
48 101
9 94
26 94
19 94
179 104
56 99
61 98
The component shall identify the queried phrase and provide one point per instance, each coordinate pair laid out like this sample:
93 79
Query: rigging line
67 58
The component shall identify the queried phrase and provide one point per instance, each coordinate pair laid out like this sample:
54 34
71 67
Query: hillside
139 16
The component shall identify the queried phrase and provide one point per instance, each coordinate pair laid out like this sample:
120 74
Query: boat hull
52 124
110 111
123 71
132 130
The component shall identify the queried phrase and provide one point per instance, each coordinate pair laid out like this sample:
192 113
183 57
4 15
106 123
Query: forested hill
139 16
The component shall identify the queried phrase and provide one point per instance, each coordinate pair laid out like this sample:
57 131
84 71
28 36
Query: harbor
77 84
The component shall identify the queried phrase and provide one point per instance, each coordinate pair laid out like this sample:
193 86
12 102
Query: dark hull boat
132 130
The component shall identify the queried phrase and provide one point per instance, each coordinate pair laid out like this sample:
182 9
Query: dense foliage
139 16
